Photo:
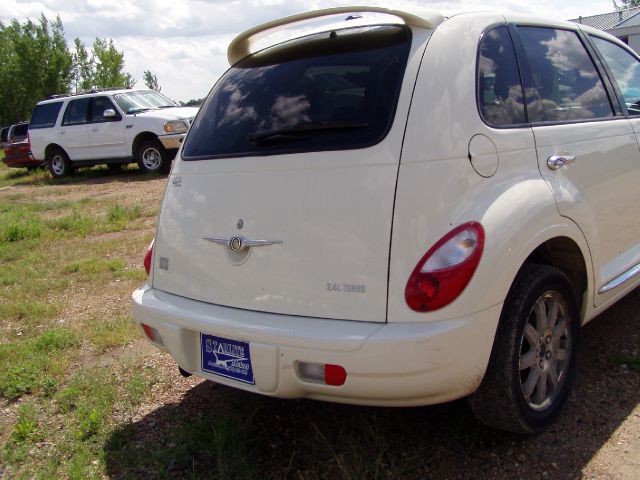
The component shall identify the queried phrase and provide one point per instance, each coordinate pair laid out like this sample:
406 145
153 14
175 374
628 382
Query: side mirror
109 113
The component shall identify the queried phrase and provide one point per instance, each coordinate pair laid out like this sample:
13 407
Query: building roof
607 21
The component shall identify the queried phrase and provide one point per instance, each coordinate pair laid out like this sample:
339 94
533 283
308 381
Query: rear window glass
332 91
45 115
5 132
20 130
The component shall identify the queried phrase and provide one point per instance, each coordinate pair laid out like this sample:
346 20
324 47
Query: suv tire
534 354
152 157
58 163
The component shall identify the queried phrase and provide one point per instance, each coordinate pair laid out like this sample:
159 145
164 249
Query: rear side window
45 115
499 88
564 76
625 69
76 112
332 91
4 134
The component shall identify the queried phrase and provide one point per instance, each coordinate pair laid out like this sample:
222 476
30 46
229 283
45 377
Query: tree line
37 62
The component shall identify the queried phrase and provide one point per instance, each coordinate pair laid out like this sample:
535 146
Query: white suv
110 126
402 209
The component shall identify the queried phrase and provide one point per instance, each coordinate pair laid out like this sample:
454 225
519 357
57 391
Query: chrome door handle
554 162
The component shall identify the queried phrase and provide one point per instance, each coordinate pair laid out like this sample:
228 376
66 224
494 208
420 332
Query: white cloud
184 42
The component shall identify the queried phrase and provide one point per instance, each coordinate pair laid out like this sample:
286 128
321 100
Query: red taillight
148 257
446 269
149 332
152 334
334 375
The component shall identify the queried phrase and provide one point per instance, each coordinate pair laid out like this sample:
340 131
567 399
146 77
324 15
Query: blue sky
184 42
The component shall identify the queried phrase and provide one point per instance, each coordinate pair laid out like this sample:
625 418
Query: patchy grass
107 334
65 282
24 435
35 365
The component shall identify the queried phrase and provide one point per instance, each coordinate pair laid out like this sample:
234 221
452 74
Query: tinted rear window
21 130
330 91
45 115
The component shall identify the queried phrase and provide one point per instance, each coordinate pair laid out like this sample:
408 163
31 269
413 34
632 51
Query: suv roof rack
85 92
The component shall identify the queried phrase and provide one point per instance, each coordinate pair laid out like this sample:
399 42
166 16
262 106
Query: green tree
34 63
151 81
83 67
626 4
109 66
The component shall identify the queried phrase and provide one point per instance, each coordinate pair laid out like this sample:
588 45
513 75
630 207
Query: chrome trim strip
620 279
238 242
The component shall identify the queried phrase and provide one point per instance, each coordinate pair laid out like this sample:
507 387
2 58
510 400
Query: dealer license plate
227 358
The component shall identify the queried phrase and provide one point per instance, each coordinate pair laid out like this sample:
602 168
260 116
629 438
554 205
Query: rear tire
58 163
152 157
534 355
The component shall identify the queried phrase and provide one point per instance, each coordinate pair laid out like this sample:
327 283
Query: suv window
499 87
76 112
625 69
329 91
564 76
20 130
98 106
45 115
4 134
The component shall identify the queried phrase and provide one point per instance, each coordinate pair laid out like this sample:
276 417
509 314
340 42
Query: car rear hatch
281 199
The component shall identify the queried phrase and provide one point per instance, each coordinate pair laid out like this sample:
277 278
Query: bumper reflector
152 334
327 374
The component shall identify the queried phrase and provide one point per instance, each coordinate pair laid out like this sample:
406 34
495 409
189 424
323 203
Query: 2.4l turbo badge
345 288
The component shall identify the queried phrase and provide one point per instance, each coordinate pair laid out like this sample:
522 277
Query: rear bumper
18 156
394 364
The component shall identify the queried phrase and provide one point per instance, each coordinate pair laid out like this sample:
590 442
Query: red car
18 155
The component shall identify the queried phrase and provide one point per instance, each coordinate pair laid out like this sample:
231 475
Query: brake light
148 257
445 270
326 373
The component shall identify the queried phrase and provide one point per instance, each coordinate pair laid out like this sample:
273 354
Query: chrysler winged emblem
238 242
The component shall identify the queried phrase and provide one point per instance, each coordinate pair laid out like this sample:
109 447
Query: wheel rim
57 164
545 351
151 158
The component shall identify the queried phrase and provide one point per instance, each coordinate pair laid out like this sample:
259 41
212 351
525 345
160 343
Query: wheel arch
141 137
564 253
51 147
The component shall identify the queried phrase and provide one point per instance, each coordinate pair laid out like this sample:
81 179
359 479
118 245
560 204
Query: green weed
35 364
24 434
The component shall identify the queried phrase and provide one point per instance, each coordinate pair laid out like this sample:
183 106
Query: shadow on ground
218 432
81 176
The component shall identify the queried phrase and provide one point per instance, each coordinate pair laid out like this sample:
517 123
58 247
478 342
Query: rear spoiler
240 47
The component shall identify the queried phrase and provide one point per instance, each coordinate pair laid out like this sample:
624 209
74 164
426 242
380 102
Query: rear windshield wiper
262 135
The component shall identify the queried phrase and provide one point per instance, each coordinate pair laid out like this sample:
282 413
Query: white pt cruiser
402 209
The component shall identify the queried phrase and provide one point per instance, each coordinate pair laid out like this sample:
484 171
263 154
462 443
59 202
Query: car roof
92 93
